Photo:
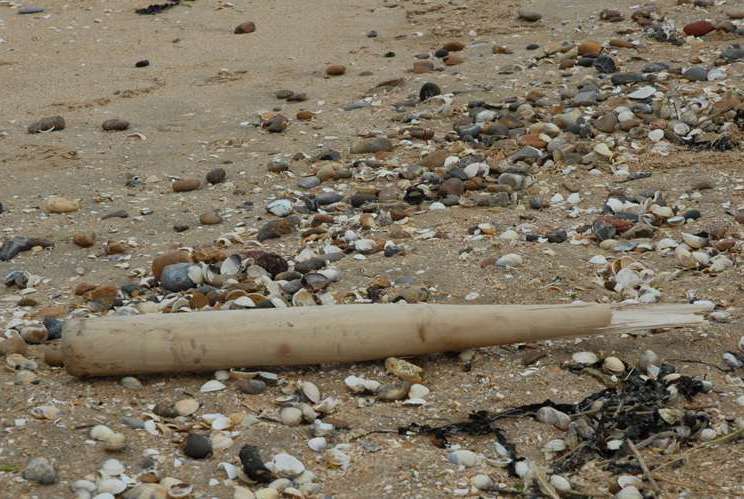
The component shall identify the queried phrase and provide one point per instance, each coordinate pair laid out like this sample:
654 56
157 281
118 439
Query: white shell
45 412
360 385
318 444
212 386
693 241
509 260
286 466
112 467
186 407
111 485
311 391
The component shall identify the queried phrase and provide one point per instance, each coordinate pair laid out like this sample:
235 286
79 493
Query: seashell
585 358
693 241
186 407
111 468
285 466
318 444
45 412
243 302
221 423
113 486
196 274
662 211
627 278
212 386
179 490
613 365
418 391
361 385
720 263
328 405
509 260
311 391
230 266
701 257
685 258
303 298
101 433
666 243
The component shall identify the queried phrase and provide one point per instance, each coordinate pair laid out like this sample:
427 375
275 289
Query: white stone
212 386
463 457
560 483
509 260
585 358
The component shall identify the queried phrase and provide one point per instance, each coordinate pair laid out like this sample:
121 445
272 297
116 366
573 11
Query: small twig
639 458
543 483
645 443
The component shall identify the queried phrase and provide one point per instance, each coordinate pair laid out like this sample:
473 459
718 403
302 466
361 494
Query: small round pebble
197 446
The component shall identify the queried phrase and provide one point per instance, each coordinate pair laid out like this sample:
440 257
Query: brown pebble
725 244
84 240
620 43
211 218
698 28
198 300
501 49
115 247
420 67
186 184
115 125
83 287
244 28
453 46
590 48
454 59
162 261
105 292
335 70
305 115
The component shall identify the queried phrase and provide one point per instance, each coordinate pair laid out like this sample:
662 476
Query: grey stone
175 277
41 471
308 182
369 146
696 73
52 123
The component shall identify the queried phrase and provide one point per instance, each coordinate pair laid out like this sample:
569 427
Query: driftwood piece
203 341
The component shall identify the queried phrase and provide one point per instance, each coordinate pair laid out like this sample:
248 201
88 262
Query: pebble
404 370
245 28
370 146
252 386
629 492
197 446
560 483
590 48
186 407
115 125
59 204
186 184
131 383
176 278
216 176
291 416
335 70
510 260
642 93
482 482
698 28
211 218
529 15
464 458
52 123
429 90
585 358
30 9
696 73
41 471
286 466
